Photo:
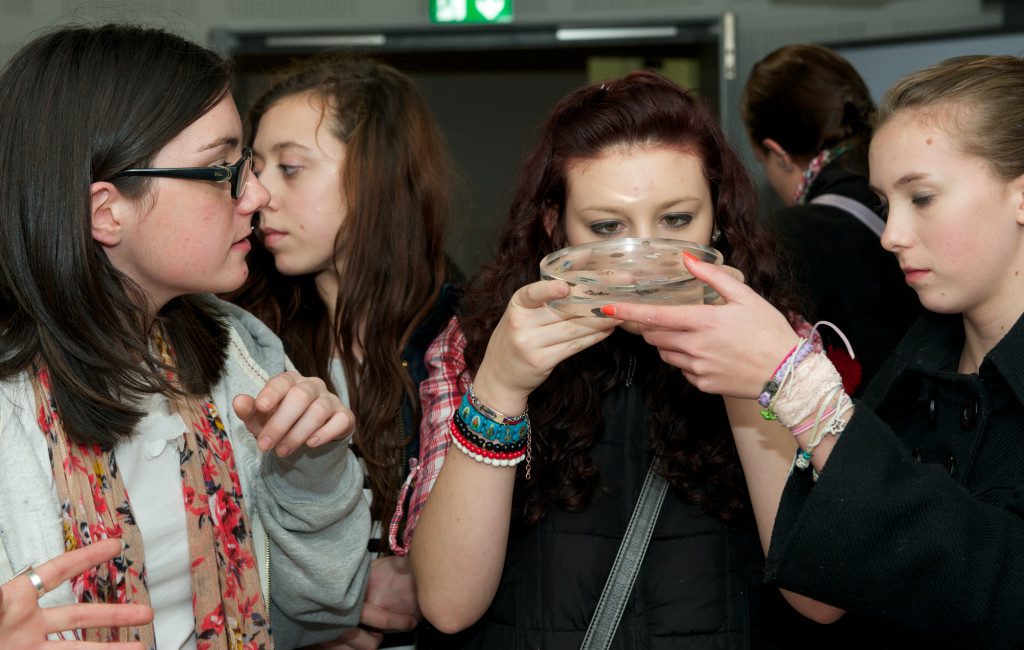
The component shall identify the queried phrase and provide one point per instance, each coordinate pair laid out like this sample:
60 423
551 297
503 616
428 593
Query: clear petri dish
637 270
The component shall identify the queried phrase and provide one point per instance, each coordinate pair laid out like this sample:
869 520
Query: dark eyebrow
683 199
288 144
909 178
228 141
661 207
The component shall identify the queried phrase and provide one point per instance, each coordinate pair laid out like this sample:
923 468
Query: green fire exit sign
470 11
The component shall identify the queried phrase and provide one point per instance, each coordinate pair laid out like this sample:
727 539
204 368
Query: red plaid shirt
440 395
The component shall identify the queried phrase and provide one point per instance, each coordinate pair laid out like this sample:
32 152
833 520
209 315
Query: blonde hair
982 95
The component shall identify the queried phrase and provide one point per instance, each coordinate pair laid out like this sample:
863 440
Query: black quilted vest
700 586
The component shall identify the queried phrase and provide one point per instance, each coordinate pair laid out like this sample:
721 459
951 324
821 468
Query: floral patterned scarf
230 612
814 168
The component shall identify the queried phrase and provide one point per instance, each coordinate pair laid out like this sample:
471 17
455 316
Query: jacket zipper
266 580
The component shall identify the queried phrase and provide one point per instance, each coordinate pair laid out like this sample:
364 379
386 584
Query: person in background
350 270
914 524
514 554
134 404
808 116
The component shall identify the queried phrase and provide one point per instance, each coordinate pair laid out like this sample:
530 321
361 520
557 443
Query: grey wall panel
462 102
883 63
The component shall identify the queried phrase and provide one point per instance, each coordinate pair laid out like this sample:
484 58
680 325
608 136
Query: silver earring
716 234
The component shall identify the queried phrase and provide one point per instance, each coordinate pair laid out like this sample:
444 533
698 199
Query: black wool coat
916 525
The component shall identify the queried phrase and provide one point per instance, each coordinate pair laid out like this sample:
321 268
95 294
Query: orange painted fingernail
690 256
608 310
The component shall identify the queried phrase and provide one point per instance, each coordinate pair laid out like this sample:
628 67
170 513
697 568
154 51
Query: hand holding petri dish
637 270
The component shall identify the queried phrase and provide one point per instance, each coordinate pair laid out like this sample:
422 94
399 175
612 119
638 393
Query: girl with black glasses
133 404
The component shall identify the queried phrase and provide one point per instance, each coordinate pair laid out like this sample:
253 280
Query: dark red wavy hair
687 430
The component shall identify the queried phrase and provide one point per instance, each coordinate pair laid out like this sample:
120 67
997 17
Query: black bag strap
863 213
627 564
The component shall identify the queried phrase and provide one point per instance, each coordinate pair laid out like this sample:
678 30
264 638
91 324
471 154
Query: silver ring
33 577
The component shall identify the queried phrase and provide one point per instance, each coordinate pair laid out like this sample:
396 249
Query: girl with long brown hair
349 268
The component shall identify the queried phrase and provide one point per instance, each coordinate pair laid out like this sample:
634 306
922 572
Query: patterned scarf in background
230 612
814 168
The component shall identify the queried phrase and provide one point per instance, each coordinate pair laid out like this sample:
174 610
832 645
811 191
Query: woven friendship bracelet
805 390
808 423
833 424
786 367
772 385
772 389
828 421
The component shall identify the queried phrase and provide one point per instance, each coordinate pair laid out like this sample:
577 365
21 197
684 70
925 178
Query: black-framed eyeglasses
238 173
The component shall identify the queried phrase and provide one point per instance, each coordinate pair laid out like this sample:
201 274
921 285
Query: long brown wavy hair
688 430
397 181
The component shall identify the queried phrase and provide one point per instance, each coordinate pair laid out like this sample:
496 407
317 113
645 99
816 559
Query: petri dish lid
638 270
625 264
